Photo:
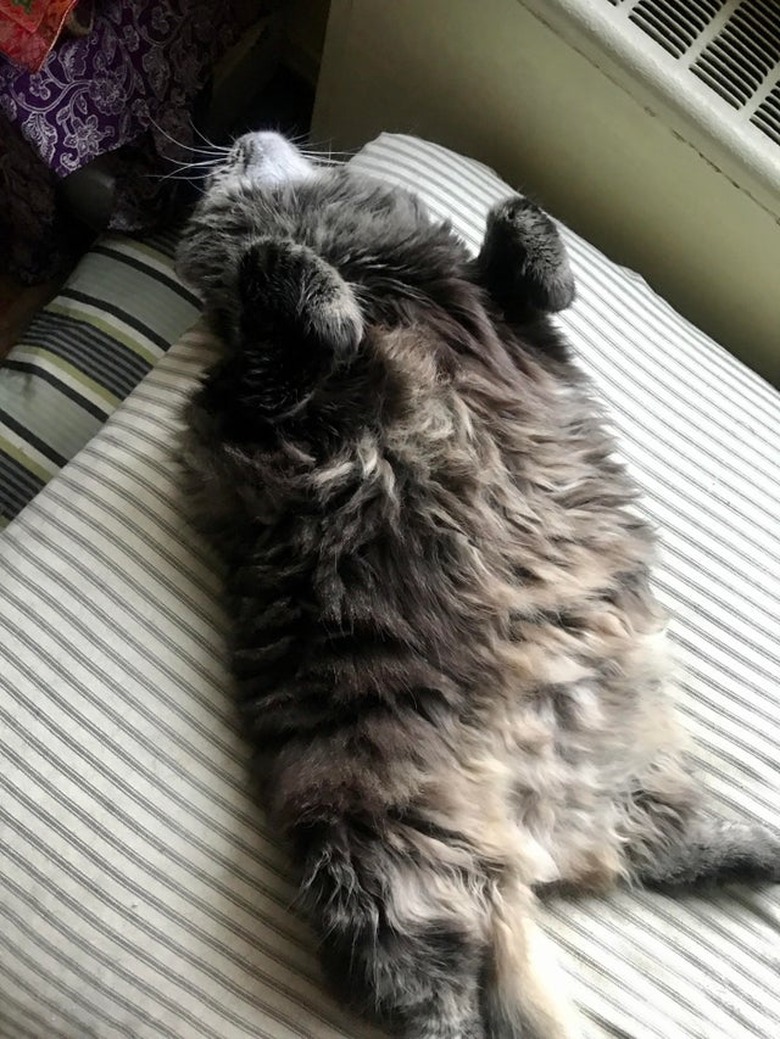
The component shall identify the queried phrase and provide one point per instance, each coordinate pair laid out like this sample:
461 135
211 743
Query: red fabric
29 29
27 13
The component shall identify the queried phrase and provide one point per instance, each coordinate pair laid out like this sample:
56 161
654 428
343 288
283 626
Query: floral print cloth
127 89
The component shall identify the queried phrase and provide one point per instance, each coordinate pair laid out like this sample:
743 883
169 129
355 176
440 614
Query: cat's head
303 267
278 240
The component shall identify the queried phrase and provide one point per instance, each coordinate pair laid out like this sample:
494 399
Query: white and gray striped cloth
140 892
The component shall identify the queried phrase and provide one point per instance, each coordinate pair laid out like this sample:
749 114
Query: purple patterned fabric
132 81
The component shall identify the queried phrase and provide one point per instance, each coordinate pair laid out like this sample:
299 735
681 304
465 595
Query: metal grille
738 60
767 116
674 24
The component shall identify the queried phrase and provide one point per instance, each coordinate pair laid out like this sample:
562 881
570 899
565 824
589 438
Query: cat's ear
286 290
523 262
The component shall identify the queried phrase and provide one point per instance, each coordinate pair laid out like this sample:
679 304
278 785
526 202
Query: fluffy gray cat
447 652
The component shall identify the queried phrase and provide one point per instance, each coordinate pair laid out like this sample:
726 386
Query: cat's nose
254 148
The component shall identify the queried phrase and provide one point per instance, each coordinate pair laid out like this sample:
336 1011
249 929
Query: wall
489 78
305 24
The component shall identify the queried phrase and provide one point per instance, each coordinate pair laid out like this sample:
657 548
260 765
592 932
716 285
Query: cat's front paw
523 262
286 284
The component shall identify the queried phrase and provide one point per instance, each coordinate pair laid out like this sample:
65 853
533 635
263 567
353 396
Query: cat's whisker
210 163
178 175
186 147
324 146
216 147
322 160
201 150
313 154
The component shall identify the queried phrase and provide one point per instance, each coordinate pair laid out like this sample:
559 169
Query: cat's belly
577 753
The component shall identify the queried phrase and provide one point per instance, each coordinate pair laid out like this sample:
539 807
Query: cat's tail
416 937
524 992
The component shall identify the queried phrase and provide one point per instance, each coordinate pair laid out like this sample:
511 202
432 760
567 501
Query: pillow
141 893
108 326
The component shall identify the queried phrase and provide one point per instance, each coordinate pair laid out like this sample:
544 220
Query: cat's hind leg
523 262
674 838
401 941
426 943
708 850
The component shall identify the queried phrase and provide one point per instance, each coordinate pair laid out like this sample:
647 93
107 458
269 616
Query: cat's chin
268 159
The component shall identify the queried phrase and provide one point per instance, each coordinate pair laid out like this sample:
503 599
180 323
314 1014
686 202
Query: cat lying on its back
448 655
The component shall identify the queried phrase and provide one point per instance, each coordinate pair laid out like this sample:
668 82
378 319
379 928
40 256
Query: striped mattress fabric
141 893
82 354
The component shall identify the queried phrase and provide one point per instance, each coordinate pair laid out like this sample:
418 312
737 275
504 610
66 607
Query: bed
141 893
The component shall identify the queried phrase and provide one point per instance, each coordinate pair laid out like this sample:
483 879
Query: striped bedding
83 353
140 891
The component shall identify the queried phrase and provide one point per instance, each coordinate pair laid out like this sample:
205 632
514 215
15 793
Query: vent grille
674 24
767 115
709 68
742 55
730 46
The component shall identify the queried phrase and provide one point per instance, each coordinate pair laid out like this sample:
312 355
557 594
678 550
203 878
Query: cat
446 648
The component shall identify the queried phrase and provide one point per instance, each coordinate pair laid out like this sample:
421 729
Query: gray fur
524 260
446 647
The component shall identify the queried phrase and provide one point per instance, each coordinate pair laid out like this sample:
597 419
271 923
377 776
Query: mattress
141 892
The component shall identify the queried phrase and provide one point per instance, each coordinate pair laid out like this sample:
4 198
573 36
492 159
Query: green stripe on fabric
71 393
134 283
159 246
14 451
75 374
98 356
163 275
141 249
59 423
103 322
